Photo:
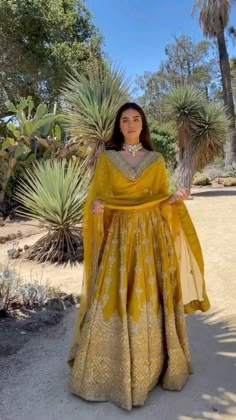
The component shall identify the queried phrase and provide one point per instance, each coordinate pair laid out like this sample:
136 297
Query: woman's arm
179 195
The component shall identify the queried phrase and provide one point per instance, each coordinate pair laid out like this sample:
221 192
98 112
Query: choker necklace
132 148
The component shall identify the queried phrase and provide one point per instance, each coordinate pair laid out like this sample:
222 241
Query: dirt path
34 381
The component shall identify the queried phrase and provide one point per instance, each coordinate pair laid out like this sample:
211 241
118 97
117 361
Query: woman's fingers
97 207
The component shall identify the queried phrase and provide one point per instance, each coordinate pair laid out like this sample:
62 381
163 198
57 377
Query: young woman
143 269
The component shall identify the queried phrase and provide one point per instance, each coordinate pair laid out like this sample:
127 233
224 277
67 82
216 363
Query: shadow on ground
214 193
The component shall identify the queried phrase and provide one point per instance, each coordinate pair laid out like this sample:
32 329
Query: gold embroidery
122 361
134 332
132 173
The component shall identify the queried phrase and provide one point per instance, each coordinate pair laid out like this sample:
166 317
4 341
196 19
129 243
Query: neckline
132 173
137 164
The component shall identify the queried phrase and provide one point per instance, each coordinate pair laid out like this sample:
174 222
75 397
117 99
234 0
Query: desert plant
230 171
15 292
201 179
201 131
229 182
92 102
27 130
53 192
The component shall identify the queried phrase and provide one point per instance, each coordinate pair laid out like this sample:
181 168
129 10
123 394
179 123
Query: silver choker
132 148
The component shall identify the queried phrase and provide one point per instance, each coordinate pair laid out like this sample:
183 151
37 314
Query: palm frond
214 15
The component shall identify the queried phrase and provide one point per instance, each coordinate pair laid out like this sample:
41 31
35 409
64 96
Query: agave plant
201 131
93 100
53 192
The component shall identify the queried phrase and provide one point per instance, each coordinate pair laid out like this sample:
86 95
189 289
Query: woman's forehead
130 113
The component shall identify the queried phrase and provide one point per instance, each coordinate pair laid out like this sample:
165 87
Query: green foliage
164 140
24 137
230 171
93 100
54 192
40 42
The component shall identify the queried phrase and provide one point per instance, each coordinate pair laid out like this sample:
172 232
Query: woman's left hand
181 194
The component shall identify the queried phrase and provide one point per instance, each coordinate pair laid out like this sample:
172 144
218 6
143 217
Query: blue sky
136 31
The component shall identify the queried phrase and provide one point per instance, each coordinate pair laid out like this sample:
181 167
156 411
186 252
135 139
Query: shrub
201 179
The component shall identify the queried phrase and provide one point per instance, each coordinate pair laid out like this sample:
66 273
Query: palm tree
201 128
53 192
92 102
214 17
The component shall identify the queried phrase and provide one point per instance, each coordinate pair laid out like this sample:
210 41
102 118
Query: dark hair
117 138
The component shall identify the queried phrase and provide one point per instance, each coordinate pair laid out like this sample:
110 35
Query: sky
136 31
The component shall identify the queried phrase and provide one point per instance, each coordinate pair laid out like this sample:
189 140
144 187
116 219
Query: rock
55 304
19 234
26 247
70 300
20 249
13 253
3 240
11 236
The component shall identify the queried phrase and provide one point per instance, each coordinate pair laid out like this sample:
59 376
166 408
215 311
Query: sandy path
34 381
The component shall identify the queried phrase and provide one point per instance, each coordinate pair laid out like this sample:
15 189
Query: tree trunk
185 170
230 146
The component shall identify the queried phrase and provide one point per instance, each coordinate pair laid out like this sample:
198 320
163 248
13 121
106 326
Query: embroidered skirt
134 333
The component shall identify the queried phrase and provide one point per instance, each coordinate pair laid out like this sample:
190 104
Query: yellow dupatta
121 187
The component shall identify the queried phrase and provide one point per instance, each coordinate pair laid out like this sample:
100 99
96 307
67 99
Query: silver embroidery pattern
132 173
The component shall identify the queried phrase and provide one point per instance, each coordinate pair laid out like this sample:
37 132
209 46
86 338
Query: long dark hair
117 138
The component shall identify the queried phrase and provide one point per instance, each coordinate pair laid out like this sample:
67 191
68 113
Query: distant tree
40 42
187 63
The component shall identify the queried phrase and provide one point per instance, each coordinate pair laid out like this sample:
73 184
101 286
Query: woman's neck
132 141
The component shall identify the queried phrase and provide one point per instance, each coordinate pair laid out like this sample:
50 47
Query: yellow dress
143 268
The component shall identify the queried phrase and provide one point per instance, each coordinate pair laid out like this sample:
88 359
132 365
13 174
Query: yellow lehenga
143 269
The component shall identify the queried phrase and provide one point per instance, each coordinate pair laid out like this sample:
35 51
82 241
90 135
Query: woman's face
131 125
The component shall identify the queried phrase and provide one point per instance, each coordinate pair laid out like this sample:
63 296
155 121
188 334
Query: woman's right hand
97 207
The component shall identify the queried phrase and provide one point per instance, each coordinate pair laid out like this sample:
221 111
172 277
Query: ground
34 380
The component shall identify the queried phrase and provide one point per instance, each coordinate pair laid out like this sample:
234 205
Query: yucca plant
201 131
92 102
53 192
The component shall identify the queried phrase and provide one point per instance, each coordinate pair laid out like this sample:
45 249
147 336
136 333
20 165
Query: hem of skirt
196 305
101 398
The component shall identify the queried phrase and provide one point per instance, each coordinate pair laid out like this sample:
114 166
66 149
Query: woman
143 269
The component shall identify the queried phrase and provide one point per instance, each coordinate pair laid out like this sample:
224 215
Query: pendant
132 148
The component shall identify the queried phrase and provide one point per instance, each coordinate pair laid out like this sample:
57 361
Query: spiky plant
201 128
93 100
53 192
183 105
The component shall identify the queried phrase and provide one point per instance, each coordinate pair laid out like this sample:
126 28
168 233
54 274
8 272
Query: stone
55 304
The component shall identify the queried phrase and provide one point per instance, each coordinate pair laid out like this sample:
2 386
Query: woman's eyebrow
135 116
